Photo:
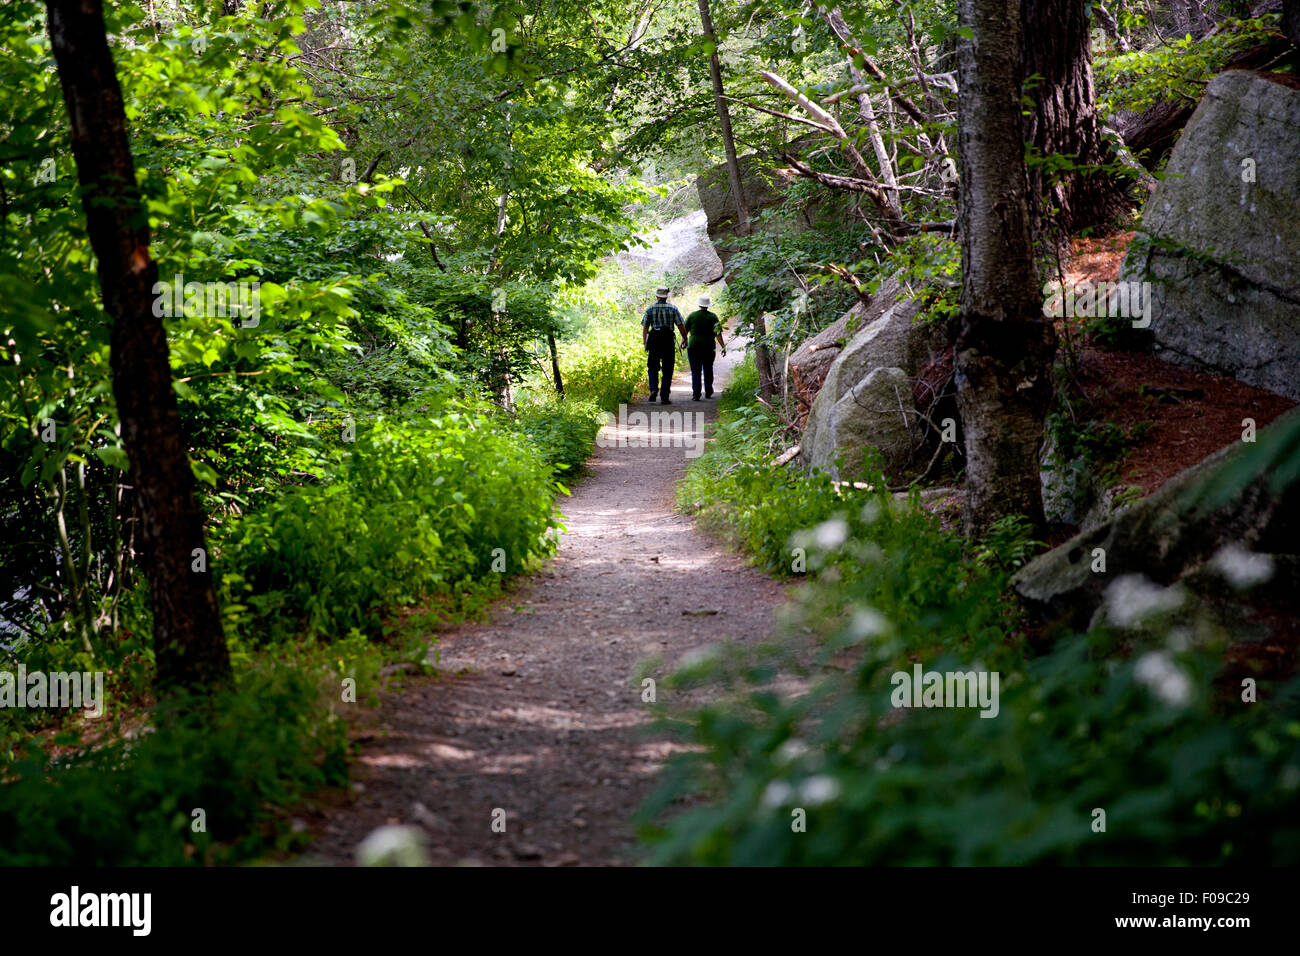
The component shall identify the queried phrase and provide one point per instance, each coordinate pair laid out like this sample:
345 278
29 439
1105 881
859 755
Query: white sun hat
704 302
662 291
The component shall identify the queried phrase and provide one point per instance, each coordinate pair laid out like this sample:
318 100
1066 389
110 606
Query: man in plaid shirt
657 336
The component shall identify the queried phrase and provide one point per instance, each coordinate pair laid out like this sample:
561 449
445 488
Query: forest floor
1181 415
538 711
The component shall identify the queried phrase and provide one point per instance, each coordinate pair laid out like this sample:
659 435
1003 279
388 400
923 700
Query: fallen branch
787 456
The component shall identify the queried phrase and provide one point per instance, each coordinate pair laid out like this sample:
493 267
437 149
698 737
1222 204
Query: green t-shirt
701 326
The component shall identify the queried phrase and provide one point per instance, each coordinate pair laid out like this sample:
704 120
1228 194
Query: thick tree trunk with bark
1004 346
189 646
1064 119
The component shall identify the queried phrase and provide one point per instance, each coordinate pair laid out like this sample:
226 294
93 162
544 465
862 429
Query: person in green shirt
702 328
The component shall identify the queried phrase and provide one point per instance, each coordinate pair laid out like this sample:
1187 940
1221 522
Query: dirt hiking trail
535 711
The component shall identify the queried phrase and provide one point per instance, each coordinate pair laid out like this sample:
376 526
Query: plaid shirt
661 315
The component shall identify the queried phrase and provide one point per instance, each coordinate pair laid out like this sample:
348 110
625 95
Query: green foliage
603 361
1180 784
1185 776
416 509
765 274
564 432
1008 545
132 801
1178 70
929 262
1091 447
604 370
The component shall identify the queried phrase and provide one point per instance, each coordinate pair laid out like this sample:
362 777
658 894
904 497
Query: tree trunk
1004 347
1064 119
555 365
761 357
189 646
763 361
724 123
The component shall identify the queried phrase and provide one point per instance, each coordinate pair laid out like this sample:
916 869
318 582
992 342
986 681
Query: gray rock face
764 186
1074 492
812 361
1222 243
872 414
1168 535
719 206
853 400
680 253
887 338
814 357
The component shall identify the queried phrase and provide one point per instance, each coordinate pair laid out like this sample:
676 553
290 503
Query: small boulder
1173 532
892 340
812 361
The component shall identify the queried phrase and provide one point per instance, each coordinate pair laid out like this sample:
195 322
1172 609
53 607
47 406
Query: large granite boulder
1221 243
1177 531
812 361
891 339
762 189
873 414
838 424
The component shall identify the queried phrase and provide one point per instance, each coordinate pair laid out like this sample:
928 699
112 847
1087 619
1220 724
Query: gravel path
536 711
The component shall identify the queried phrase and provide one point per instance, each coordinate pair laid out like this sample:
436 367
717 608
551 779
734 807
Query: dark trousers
660 359
701 359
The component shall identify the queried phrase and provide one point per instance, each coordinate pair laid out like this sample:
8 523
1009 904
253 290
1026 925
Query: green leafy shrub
416 509
563 431
132 801
1185 776
604 369
1180 784
1177 70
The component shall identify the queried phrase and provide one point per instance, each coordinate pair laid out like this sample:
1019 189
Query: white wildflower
819 789
1241 567
1166 679
1133 598
776 794
829 535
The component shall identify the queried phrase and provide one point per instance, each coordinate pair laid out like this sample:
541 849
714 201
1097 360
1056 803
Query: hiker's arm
681 330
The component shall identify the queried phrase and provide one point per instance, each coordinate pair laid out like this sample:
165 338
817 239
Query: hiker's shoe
654 395
708 394
695 398
664 401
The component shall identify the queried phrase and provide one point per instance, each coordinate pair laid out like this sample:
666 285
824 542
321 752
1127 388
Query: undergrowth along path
536 711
